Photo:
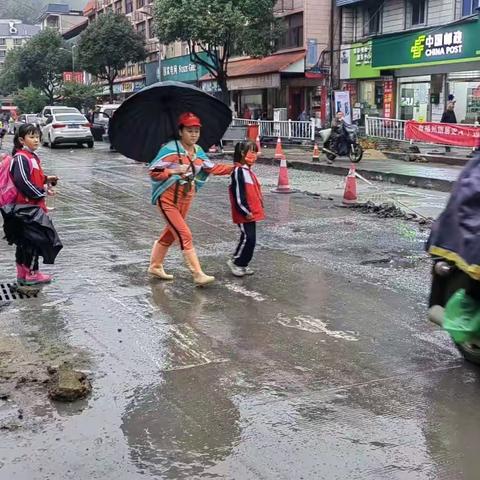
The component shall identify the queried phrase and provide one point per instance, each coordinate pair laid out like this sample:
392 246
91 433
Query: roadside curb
440 185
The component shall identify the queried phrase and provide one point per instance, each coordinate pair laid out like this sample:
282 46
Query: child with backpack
247 206
31 186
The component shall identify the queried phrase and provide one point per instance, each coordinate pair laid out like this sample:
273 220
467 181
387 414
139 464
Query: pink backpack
8 190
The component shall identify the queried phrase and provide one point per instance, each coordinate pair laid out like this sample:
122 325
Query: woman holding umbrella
168 125
178 171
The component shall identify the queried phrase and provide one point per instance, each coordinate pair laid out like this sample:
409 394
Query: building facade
134 76
406 58
14 33
294 79
60 17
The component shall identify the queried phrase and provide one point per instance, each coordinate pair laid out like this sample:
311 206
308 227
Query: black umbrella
148 119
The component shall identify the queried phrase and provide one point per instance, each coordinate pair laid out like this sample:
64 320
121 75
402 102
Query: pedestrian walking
3 131
449 117
32 188
247 206
180 168
11 125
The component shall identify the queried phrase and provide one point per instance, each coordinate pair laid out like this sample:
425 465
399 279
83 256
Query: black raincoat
30 225
455 236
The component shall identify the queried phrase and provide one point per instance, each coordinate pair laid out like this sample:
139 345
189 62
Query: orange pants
175 214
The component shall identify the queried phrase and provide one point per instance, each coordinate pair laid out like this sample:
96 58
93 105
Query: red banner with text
456 135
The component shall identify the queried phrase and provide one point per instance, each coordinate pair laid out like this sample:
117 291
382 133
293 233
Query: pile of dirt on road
390 210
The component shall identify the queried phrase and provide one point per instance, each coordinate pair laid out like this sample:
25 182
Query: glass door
414 101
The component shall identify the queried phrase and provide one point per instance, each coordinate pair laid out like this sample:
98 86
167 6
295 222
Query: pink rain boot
21 273
36 278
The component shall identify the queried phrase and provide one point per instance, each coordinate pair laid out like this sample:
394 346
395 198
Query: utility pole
332 49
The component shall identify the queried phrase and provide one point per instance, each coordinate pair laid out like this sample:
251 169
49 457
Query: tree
30 100
220 28
41 63
9 73
79 95
27 11
107 45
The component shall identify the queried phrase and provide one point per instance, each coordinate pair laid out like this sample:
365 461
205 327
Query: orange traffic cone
259 146
316 154
283 182
279 150
350 194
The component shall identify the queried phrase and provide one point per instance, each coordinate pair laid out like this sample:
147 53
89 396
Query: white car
67 128
50 110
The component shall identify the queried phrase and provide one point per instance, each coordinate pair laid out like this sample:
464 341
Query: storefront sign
137 86
356 62
388 99
74 77
127 87
444 134
254 82
453 44
183 69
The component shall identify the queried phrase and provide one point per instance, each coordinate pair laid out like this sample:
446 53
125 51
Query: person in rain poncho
177 172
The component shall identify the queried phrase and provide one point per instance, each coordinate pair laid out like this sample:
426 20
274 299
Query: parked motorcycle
342 143
447 280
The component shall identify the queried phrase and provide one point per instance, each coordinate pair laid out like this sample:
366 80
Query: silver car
25 118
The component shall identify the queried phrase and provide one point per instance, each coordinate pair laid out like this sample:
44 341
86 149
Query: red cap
189 119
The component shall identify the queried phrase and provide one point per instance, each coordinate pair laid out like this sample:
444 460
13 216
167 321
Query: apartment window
292 36
469 7
151 28
419 8
140 3
130 70
17 41
373 18
128 6
2 53
118 7
3 41
141 68
141 29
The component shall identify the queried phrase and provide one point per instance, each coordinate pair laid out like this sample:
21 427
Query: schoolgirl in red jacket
247 206
32 185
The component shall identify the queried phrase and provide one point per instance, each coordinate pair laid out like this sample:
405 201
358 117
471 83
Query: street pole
73 57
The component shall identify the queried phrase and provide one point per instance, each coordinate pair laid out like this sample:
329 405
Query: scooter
346 145
447 279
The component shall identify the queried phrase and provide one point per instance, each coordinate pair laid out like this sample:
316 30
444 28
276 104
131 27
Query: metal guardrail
285 129
393 129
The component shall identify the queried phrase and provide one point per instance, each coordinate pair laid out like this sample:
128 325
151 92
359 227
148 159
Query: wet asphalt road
321 366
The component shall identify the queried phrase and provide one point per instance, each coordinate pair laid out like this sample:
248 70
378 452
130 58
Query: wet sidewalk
376 167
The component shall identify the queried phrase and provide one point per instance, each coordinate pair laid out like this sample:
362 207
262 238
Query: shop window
292 36
419 9
469 7
128 6
373 18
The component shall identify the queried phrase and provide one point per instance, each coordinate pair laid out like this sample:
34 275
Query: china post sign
452 44
182 69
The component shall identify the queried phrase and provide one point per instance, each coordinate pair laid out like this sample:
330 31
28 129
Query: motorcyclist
338 131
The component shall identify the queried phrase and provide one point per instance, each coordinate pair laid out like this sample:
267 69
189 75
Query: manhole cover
11 291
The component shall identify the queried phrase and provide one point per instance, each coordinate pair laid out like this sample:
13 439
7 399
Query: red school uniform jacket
28 177
245 195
